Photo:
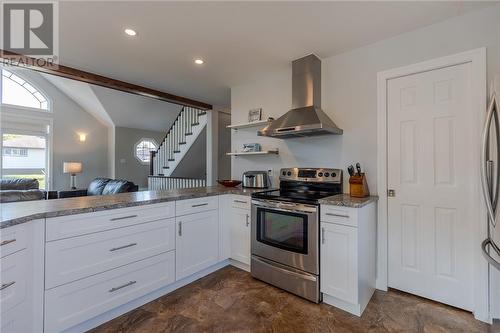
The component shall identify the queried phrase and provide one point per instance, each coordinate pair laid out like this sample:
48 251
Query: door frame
477 58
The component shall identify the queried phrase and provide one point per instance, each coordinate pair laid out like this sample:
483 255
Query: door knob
391 193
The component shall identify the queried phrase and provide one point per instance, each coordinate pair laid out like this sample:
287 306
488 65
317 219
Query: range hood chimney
306 117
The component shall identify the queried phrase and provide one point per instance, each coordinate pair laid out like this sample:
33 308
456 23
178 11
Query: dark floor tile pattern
230 300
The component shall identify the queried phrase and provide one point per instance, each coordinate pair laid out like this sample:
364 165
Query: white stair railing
182 134
170 183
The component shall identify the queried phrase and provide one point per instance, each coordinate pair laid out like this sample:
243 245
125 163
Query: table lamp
72 168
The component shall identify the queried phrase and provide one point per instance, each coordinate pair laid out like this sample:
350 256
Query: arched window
143 148
18 91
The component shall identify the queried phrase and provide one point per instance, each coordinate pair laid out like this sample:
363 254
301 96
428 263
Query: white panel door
197 242
430 218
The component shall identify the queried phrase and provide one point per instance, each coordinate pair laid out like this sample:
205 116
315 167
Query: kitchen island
72 264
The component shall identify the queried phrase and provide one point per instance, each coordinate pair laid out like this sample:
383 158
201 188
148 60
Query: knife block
358 187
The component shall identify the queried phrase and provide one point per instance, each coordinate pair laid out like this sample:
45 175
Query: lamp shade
72 167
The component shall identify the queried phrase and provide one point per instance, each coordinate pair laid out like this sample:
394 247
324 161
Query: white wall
69 119
349 95
127 166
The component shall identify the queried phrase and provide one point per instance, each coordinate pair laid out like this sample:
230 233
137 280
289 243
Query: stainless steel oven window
284 230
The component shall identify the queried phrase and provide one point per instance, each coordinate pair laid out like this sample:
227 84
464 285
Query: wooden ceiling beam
44 66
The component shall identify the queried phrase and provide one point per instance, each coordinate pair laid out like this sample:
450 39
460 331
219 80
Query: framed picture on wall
254 115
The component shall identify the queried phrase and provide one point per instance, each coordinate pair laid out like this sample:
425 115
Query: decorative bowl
229 182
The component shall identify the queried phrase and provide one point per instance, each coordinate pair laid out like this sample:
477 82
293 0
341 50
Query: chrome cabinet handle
180 228
240 201
199 205
123 217
8 241
7 285
122 286
337 215
248 222
322 235
122 247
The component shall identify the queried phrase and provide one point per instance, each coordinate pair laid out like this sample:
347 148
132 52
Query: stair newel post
164 156
186 122
169 145
183 126
175 138
151 164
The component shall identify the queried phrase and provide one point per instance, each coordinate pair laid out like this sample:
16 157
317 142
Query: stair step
195 124
171 159
188 134
177 151
182 143
166 167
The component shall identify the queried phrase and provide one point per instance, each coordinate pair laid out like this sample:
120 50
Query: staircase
187 127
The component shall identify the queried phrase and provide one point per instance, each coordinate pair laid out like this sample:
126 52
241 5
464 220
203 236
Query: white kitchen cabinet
71 259
197 242
239 225
339 271
235 222
348 256
21 277
82 224
71 304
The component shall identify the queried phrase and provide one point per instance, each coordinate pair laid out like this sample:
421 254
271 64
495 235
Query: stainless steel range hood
306 117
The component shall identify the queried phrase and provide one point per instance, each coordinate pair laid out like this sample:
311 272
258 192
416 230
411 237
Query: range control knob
327 174
320 174
289 173
334 174
284 173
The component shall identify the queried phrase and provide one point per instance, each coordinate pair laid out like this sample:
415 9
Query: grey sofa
20 189
102 186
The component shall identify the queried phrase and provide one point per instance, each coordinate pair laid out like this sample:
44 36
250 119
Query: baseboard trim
354 309
239 264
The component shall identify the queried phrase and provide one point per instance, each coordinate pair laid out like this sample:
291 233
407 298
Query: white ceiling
238 40
115 108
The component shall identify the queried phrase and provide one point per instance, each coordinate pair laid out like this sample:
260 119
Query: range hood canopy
306 117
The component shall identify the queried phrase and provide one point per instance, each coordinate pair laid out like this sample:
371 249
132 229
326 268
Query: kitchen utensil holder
358 187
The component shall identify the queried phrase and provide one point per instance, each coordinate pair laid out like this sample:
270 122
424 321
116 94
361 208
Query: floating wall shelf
263 152
248 125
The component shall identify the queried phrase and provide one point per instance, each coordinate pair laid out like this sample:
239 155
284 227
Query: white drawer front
74 303
240 201
339 215
14 279
82 224
191 206
17 321
13 239
71 259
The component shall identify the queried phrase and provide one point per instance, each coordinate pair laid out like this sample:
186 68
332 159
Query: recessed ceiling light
130 32
199 61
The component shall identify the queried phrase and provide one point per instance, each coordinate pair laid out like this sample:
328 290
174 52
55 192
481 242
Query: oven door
286 233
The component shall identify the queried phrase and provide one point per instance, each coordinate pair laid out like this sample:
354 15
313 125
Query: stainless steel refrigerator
490 181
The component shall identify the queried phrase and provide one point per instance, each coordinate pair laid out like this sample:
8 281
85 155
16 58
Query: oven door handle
301 275
286 207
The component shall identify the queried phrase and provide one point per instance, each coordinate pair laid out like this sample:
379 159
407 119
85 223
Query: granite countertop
345 200
19 212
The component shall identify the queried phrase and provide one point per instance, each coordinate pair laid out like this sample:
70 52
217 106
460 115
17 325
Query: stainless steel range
285 230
